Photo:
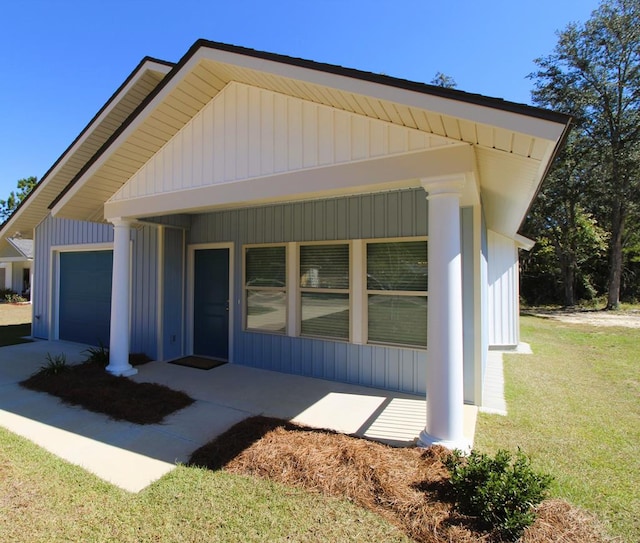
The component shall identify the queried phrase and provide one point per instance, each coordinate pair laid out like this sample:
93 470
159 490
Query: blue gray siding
49 233
172 324
60 232
393 214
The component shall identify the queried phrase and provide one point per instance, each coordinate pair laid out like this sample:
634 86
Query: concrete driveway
132 456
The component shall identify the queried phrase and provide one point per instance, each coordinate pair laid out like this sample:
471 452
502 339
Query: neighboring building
16 259
286 214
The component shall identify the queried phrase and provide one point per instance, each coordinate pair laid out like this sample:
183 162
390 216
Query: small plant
14 298
98 355
499 492
55 364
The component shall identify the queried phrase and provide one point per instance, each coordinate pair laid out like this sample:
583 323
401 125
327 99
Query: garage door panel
85 296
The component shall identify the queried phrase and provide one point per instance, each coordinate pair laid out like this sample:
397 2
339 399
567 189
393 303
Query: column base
426 440
125 371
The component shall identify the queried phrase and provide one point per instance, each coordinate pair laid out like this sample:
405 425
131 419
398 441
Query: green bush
98 355
55 364
500 493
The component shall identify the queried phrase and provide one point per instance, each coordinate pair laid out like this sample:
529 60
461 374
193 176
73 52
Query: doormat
198 362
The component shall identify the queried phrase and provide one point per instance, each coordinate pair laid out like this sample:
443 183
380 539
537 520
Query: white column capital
119 221
446 184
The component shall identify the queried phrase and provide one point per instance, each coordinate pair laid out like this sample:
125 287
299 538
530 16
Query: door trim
191 252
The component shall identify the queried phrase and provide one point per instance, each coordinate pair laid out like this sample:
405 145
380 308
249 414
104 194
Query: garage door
85 296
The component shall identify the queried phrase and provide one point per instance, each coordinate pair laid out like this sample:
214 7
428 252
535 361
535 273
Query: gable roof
23 246
514 143
136 87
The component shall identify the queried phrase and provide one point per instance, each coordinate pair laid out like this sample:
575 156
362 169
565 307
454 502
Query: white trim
478 376
293 283
54 279
160 295
367 292
359 315
191 249
371 175
322 290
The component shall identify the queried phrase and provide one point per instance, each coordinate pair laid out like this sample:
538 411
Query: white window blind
265 288
324 290
397 292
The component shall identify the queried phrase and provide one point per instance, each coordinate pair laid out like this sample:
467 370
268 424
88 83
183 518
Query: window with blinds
397 293
266 288
324 290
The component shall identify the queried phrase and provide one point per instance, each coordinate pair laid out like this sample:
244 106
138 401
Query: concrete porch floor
132 456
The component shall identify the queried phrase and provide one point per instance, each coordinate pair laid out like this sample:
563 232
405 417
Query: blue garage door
85 296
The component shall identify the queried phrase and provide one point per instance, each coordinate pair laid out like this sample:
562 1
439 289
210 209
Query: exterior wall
173 299
392 214
59 232
468 308
246 132
504 305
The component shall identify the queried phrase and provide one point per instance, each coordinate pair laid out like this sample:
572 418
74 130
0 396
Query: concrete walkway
132 456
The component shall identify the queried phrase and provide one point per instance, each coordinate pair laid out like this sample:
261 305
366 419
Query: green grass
44 499
12 334
574 408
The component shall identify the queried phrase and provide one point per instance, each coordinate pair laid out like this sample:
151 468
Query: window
324 290
266 288
397 292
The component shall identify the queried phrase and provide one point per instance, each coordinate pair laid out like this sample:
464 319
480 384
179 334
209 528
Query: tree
570 240
25 186
594 75
445 81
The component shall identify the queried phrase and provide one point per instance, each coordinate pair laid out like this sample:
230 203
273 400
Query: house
294 216
16 257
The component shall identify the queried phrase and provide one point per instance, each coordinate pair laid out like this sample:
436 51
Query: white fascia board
122 137
516 122
370 175
523 242
148 65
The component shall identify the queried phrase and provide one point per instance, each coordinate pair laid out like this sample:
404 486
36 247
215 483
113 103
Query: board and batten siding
53 232
246 132
381 215
503 291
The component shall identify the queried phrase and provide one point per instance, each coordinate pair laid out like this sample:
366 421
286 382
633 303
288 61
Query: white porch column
445 394
120 300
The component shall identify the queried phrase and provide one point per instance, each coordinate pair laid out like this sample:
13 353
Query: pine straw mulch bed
407 486
90 386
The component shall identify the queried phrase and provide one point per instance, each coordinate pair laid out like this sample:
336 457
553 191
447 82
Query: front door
211 303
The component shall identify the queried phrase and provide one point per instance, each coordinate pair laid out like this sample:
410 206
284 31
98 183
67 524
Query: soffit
530 140
99 130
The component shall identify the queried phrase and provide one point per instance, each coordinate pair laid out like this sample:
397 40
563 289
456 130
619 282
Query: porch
132 456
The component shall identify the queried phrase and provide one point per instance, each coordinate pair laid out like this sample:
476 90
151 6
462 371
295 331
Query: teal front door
211 303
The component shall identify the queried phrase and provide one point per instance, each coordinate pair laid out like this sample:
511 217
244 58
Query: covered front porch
133 456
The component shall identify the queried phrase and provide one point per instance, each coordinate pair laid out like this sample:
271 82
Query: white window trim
286 288
233 301
367 292
347 291
358 292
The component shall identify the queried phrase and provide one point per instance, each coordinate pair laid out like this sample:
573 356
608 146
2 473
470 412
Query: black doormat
198 362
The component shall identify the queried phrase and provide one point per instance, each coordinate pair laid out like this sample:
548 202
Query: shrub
99 354
55 364
14 298
500 493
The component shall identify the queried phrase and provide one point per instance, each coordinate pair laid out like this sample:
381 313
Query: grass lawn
44 499
574 406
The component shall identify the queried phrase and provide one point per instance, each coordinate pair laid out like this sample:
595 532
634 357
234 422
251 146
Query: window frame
300 290
408 293
285 288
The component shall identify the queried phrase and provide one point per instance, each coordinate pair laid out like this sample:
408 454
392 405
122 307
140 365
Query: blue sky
62 59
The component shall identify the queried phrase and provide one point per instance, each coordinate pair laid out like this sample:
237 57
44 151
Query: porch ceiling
514 144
